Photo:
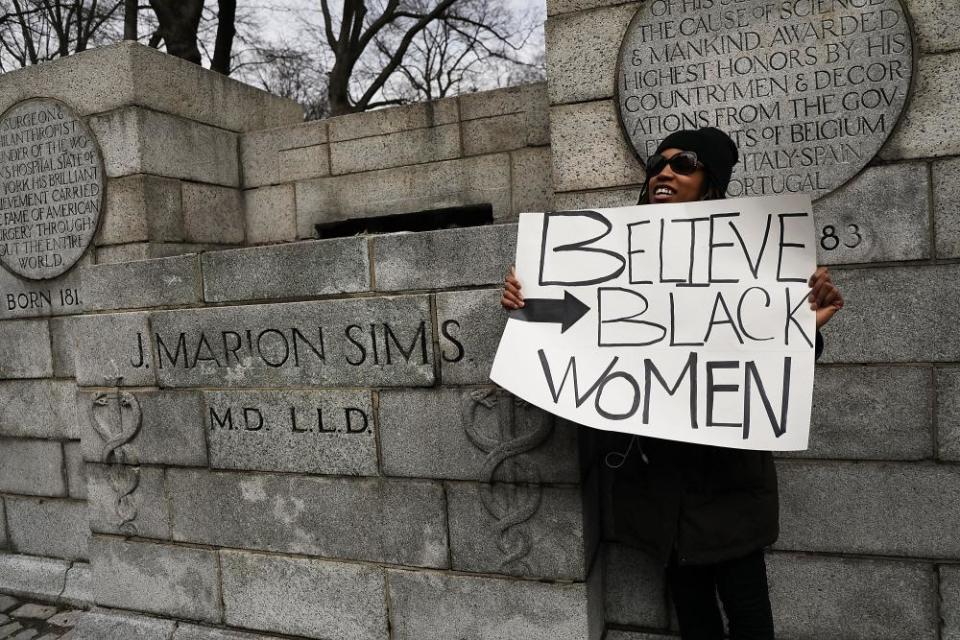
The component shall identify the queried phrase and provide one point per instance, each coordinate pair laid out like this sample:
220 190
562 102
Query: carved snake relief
117 429
522 502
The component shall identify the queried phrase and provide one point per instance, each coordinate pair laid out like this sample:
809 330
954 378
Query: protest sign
685 321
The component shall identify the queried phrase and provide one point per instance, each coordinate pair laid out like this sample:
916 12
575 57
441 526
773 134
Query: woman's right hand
512 298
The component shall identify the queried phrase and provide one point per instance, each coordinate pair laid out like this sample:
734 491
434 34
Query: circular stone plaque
51 188
808 89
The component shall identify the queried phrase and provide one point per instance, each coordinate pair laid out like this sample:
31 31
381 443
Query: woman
706 512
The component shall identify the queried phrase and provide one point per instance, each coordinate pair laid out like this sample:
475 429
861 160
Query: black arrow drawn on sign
566 311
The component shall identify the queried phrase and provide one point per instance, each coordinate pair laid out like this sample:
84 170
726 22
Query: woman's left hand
825 298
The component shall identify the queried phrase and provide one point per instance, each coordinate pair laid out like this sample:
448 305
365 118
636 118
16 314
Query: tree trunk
179 22
226 30
130 11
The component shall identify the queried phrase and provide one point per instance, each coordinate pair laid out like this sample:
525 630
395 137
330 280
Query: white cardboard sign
686 321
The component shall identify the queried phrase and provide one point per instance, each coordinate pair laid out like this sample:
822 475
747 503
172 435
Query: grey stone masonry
915 326
38 409
924 130
934 24
278 155
195 632
387 121
145 507
483 608
634 589
141 208
144 283
393 521
946 207
75 470
950 601
881 215
44 527
552 542
442 259
111 345
880 413
470 324
449 433
32 575
25 349
267 593
870 508
174 581
62 346
302 269
212 214
171 427
97 625
40 298
31 467
3 531
410 147
824 597
322 432
948 414
104 78
375 341
271 214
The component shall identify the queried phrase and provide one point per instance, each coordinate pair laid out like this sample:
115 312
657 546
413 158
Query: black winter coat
708 503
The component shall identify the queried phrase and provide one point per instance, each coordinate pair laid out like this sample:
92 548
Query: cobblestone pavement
20 620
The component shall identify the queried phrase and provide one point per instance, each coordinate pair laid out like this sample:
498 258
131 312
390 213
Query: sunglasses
684 164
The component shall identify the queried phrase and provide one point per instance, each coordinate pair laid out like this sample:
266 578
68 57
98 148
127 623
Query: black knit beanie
713 147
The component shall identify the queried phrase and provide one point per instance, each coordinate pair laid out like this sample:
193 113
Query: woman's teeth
664 191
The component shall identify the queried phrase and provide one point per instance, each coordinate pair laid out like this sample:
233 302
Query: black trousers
741 585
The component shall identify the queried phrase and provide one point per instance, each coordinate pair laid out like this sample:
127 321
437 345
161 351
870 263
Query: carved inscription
808 89
368 342
327 432
51 188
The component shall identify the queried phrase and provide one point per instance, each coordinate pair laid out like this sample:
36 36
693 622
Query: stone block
492 135
212 214
925 129
25 349
296 270
22 298
589 148
936 24
162 579
31 467
442 259
266 593
32 575
917 325
285 154
553 545
33 611
434 606
149 250
948 414
449 433
950 602
43 527
194 632
438 185
556 7
851 598
171 428
320 432
532 180
614 634
271 214
143 512
382 122
77 590
415 146
884 213
38 409
97 625
582 50
143 283
842 507
399 522
101 357
136 140
880 413
76 473
499 102
635 592
357 342
946 207
610 198
141 208
3 536
470 325
62 346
